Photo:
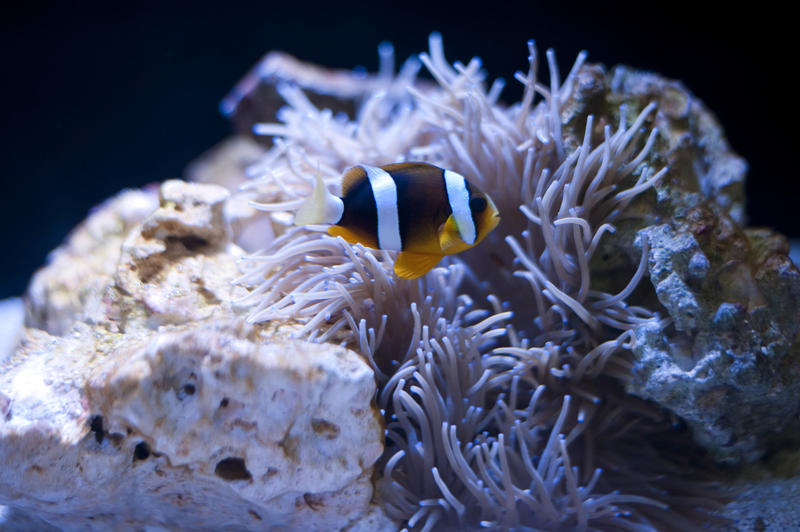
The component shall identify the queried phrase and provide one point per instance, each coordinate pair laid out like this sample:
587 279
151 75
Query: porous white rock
79 271
194 428
229 164
178 266
146 400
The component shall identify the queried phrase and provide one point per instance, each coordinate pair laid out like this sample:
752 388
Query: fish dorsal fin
410 265
413 169
356 174
351 178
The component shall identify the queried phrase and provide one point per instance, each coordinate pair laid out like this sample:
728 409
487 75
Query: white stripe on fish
385 191
458 196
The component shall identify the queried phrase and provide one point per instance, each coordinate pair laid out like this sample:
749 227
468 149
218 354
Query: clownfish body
421 210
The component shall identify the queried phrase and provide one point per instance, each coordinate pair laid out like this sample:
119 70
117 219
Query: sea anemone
499 372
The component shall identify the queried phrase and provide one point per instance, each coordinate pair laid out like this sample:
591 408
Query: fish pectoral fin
349 236
321 207
448 235
410 265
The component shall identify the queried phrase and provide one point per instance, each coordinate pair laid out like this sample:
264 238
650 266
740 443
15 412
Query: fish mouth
494 221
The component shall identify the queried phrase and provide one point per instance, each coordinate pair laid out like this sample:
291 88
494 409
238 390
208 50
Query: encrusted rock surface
729 362
764 496
691 141
138 395
79 271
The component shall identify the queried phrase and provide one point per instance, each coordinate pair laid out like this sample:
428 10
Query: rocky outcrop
139 396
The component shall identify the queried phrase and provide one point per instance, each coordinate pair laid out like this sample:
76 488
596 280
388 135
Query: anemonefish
420 210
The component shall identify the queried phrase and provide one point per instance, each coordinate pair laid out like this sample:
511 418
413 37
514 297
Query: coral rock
194 428
81 270
226 165
691 141
178 266
726 363
148 402
730 365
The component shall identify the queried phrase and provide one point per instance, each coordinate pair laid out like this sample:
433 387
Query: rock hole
325 428
96 426
190 242
187 389
315 502
232 468
141 451
224 402
254 515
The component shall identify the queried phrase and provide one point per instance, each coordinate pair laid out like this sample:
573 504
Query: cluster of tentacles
499 372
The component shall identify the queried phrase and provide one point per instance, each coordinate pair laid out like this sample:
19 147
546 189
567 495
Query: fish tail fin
321 207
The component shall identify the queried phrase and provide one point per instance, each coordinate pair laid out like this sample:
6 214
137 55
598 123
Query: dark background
99 98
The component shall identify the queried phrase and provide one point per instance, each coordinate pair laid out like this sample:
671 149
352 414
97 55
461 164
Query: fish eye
477 204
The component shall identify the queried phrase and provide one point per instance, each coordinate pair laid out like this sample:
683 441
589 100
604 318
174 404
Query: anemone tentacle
493 369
